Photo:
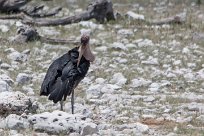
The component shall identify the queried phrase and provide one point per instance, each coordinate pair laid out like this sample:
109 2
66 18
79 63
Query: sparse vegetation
170 56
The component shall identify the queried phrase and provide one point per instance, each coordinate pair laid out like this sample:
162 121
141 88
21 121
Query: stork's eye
84 40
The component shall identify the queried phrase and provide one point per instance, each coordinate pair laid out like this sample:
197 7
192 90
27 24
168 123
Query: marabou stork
65 73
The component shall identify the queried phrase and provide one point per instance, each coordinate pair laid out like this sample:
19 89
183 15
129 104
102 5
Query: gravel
146 79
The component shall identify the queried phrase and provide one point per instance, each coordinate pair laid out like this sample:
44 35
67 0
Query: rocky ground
146 79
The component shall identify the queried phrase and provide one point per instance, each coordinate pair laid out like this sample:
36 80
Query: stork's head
84 39
84 49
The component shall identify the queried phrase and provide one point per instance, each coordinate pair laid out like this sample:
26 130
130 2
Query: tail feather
44 90
47 87
57 93
60 90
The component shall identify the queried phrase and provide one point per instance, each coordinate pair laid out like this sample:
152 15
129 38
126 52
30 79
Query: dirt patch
157 122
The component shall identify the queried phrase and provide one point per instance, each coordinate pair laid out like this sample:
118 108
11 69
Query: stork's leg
72 102
61 105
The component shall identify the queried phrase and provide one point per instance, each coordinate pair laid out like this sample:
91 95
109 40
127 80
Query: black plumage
64 75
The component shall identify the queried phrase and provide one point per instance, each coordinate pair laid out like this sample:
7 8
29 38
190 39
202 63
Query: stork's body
65 73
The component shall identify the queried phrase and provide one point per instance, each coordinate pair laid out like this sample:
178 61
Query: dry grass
157 36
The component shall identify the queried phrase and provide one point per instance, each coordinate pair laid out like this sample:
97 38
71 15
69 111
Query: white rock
108 113
200 74
29 91
154 87
74 134
143 42
170 75
172 134
6 78
149 99
200 118
151 61
125 32
121 60
100 80
189 76
191 96
142 128
7 21
137 127
89 129
4 28
185 50
93 92
166 26
149 116
140 82
130 45
81 109
16 56
27 51
86 31
118 79
23 78
177 62
9 50
87 113
17 101
110 88
87 80
43 134
91 25
15 65
108 132
104 126
19 23
53 123
117 45
195 107
127 132
138 41
18 134
59 122
191 65
135 16
4 86
101 48
5 66
165 83
15 122
184 120
167 110
175 129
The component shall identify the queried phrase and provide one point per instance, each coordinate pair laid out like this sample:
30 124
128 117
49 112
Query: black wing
64 78
53 72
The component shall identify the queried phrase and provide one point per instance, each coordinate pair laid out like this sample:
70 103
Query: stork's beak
84 50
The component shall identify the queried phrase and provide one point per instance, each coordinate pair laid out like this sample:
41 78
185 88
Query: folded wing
63 76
